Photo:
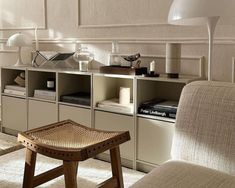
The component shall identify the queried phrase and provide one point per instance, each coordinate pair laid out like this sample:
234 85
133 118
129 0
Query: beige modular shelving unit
151 136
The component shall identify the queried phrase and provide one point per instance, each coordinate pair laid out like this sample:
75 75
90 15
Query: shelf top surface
182 78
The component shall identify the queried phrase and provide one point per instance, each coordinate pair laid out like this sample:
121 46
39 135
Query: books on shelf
159 107
114 106
15 90
81 98
15 87
45 94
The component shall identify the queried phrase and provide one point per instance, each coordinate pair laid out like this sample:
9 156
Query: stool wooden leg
70 173
29 169
116 165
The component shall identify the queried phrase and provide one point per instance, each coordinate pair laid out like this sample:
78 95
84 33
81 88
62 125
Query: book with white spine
15 87
51 98
14 92
42 92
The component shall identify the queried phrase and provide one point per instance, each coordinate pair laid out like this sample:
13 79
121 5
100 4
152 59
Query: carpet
8 144
90 172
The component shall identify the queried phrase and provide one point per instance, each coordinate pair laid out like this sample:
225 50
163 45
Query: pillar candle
124 95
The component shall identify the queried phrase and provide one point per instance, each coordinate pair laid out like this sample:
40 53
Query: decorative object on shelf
152 70
197 12
123 70
132 58
114 57
20 79
36 39
51 84
81 98
19 40
173 59
52 59
83 57
124 95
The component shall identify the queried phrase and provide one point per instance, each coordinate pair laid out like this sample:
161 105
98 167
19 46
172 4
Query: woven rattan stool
70 142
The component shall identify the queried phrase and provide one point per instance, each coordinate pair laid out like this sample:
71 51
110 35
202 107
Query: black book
159 107
82 98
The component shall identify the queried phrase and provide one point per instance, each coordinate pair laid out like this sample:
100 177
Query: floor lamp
202 12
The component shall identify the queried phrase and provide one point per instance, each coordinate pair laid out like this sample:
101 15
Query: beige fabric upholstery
204 136
176 174
205 126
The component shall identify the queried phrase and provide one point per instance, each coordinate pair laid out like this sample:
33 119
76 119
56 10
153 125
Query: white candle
124 95
36 39
152 66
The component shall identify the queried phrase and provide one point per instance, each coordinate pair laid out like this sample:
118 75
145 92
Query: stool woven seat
70 142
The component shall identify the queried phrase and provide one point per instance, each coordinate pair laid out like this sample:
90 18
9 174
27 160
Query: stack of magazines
159 107
15 90
114 106
45 94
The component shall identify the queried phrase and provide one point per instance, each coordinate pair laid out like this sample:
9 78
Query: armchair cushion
179 174
205 126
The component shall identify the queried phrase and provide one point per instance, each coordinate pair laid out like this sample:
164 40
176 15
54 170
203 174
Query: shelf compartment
14 113
38 80
74 83
161 90
41 113
79 115
106 88
154 140
8 76
115 122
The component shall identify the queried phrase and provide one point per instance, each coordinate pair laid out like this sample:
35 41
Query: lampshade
197 12
18 40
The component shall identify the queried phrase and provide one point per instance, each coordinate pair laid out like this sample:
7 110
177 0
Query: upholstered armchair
203 150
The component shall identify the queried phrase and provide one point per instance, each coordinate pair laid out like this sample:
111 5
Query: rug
8 144
90 172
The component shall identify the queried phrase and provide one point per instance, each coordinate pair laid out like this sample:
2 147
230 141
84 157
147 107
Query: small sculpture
131 58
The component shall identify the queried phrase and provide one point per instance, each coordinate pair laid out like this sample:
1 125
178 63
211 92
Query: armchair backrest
205 126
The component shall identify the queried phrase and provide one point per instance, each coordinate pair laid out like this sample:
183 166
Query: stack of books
114 106
159 107
15 90
45 94
81 98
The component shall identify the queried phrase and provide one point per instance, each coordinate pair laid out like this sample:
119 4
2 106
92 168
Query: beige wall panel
113 12
20 14
41 113
154 140
115 122
14 113
79 115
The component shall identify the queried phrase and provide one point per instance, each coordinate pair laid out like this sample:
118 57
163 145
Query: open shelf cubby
38 80
74 83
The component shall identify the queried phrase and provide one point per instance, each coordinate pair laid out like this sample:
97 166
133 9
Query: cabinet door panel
115 122
154 140
41 113
79 115
14 113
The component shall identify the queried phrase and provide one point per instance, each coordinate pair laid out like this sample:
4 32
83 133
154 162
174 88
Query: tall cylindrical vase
173 59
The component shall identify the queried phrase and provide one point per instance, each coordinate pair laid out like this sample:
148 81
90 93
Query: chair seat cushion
179 174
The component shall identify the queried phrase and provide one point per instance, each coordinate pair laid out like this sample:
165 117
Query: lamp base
19 64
